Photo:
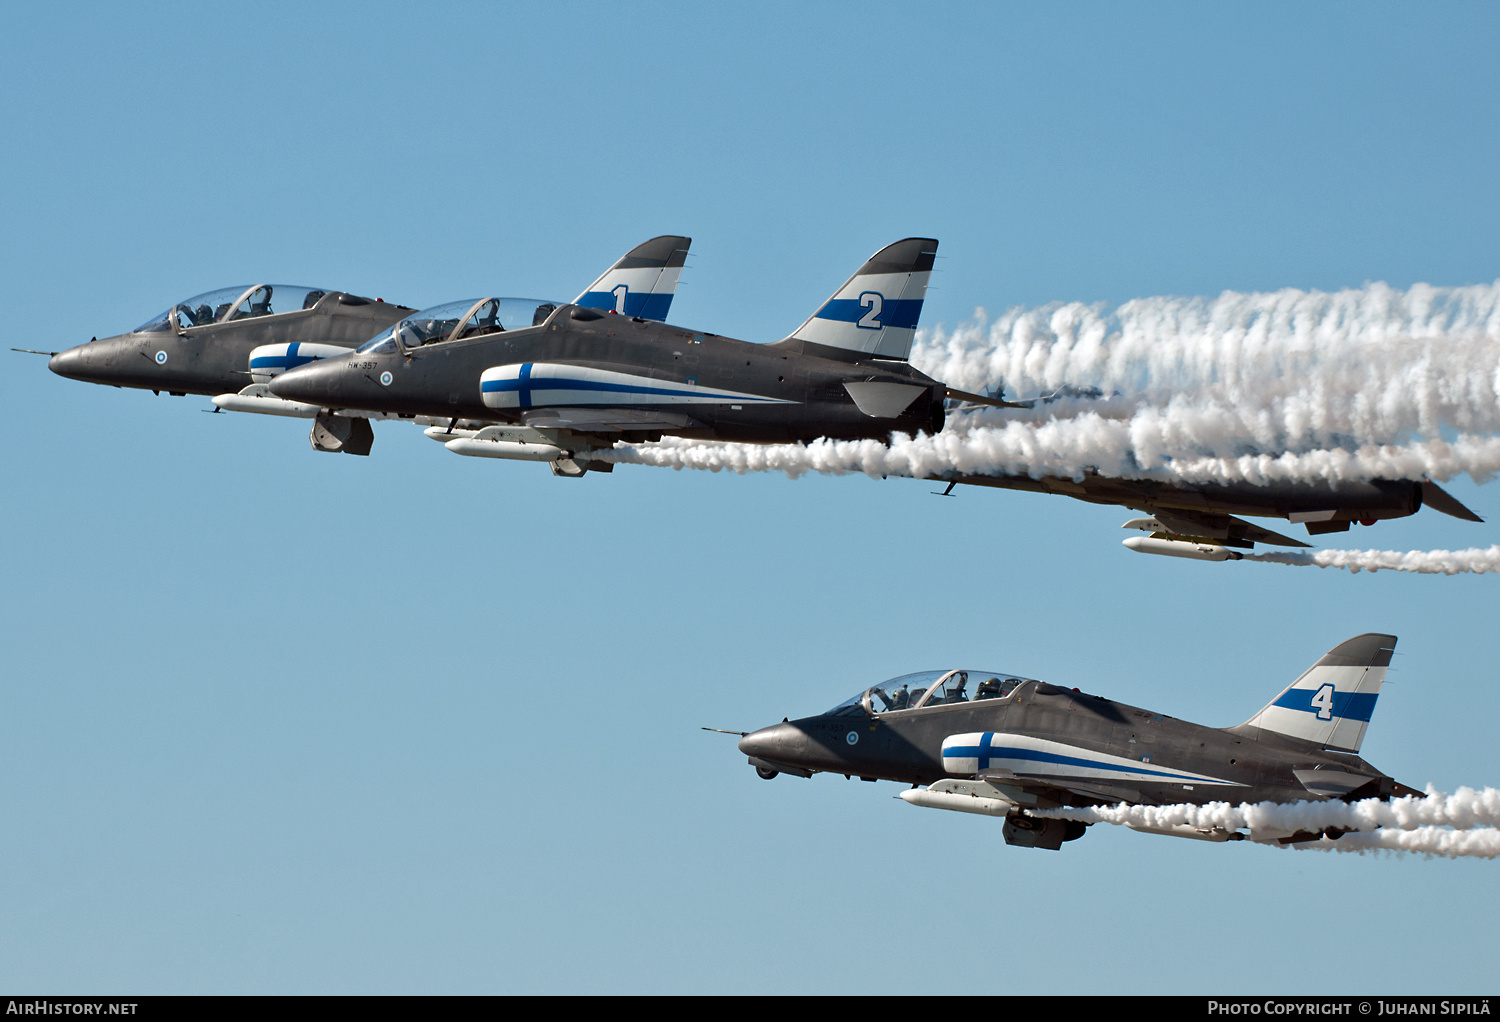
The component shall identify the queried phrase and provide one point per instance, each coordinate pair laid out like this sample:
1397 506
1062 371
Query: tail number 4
1323 700
870 301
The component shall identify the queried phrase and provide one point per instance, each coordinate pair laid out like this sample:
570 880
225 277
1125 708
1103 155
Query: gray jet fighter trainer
211 343
643 280
1199 520
587 377
203 345
995 744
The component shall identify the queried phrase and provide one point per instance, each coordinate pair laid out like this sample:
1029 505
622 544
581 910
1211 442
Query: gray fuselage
214 358
807 395
1349 500
906 746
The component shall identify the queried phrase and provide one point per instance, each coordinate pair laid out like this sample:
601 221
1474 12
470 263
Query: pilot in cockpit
485 320
994 688
897 700
956 691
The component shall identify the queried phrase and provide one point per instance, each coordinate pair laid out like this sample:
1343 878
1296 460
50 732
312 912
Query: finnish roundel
852 737
161 358
386 378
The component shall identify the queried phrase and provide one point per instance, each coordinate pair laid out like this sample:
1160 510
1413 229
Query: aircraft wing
1053 789
608 420
1226 529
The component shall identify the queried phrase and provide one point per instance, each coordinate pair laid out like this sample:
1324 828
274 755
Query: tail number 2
870 301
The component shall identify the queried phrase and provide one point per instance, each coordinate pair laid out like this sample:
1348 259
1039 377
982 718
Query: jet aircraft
998 745
582 380
1201 520
208 344
211 342
642 281
590 375
203 345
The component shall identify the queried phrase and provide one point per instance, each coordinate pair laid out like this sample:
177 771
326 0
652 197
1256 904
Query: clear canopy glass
454 321
928 688
230 303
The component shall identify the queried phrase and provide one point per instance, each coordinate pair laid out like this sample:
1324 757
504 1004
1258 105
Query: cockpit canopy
456 320
229 303
928 688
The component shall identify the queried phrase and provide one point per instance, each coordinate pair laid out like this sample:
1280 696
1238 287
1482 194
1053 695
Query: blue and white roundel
386 378
161 358
852 737
269 361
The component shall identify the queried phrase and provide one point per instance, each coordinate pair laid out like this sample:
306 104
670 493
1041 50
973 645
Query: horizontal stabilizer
990 402
1439 499
1331 782
882 399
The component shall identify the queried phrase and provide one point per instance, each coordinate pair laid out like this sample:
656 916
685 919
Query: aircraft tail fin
642 282
875 313
1331 703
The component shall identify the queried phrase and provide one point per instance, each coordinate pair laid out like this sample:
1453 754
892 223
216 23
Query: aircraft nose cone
314 383
779 742
68 363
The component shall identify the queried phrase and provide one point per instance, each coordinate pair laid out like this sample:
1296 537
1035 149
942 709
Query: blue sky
281 722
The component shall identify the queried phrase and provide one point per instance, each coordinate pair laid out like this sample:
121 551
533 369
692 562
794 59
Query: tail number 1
871 301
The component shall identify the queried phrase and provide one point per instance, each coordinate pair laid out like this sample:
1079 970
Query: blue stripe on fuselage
985 753
526 385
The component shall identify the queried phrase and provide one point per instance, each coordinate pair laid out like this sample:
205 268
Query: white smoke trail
1070 448
1427 562
1413 823
1245 388
1452 844
1463 809
1292 370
